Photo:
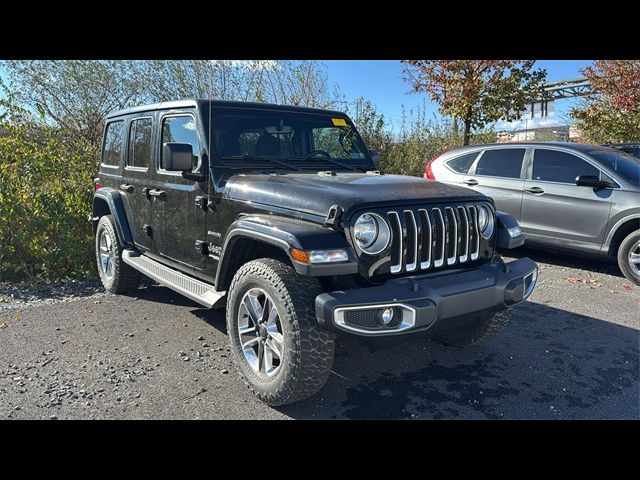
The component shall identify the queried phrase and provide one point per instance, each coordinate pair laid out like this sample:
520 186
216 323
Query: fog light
387 316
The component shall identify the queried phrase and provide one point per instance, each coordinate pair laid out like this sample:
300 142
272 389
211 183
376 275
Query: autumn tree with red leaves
477 92
613 114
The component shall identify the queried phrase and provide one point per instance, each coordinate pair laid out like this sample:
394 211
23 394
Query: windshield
625 165
247 136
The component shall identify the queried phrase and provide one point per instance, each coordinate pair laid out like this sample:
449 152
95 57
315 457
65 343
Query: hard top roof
202 104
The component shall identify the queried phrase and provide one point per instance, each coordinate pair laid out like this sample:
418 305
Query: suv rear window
463 163
113 143
561 167
624 164
501 162
140 143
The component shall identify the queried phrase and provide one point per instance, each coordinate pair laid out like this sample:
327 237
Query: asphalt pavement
571 352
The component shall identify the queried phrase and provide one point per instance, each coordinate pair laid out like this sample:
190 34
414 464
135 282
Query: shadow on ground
547 363
567 260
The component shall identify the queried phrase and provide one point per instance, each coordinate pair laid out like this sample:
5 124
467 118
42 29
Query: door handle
472 182
158 193
125 187
535 190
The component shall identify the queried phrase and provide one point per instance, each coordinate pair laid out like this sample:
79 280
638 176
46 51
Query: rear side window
463 163
113 143
182 129
140 143
625 165
502 162
561 167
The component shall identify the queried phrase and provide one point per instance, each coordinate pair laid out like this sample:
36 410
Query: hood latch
333 217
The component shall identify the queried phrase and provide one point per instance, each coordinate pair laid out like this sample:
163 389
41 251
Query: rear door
553 206
136 178
499 174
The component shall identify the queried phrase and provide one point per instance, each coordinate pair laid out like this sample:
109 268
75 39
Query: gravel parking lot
71 352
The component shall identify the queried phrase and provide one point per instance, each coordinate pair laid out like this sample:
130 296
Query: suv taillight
96 184
428 171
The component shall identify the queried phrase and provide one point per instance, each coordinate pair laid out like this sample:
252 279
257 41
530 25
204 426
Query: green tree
613 114
75 95
477 92
299 82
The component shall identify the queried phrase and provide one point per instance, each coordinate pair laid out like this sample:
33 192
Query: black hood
315 194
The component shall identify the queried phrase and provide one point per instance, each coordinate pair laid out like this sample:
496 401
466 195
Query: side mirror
177 157
592 181
375 156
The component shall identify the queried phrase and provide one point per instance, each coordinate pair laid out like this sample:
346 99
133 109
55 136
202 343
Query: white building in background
539 121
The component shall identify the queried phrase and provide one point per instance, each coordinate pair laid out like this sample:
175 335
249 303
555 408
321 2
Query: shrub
419 138
45 200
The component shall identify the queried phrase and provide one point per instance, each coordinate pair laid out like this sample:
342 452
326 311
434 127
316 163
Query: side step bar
198 291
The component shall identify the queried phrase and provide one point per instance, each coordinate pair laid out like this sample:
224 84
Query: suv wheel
116 276
629 257
280 352
482 330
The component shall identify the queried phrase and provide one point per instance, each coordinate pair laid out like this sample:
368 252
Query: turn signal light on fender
299 255
319 256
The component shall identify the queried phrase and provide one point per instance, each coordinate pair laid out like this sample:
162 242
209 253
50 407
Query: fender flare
504 240
113 199
286 233
614 229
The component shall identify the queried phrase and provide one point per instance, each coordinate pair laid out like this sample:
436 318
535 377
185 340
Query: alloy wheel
260 331
107 254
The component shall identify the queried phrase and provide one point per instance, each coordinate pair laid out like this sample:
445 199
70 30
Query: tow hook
415 286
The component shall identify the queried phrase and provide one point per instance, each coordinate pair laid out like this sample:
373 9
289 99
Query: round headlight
371 233
365 230
485 222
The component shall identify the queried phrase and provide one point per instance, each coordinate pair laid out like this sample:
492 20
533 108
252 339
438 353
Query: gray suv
566 196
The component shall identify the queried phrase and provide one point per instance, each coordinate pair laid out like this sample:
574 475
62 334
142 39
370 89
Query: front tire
116 276
629 257
487 327
280 352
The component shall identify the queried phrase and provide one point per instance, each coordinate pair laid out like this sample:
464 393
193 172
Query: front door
497 173
136 178
177 219
555 208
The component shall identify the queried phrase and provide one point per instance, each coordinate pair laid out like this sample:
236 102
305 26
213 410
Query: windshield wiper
252 158
327 159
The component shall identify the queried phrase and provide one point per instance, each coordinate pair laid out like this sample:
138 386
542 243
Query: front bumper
423 301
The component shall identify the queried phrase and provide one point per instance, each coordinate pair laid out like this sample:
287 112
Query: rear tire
629 257
283 303
116 276
478 332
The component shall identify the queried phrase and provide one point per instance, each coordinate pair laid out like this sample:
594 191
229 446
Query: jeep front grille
426 238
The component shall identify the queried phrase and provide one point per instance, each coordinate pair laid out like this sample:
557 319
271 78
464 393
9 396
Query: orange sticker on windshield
339 122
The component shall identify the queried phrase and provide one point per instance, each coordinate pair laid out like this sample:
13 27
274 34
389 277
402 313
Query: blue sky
381 82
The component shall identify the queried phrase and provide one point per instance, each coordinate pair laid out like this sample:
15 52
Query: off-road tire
125 279
623 255
308 350
477 332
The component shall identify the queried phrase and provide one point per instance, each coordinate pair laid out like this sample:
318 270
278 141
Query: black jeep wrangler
280 214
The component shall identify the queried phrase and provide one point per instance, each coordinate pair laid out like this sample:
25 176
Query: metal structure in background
578 87
543 107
